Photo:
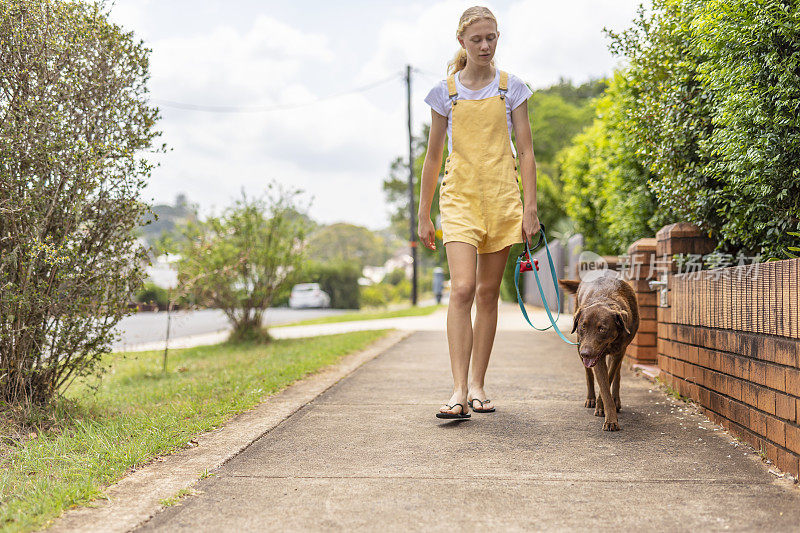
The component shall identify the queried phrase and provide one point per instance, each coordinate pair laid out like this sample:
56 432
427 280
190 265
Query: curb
136 497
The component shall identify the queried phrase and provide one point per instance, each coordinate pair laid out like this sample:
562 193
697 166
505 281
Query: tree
606 188
240 260
162 219
75 121
395 186
347 243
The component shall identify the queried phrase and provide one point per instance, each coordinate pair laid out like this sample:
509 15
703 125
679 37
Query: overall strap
503 84
452 92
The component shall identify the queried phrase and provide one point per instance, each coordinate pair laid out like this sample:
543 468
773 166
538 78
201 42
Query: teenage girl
479 201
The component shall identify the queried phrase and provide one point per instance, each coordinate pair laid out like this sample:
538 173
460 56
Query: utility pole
411 207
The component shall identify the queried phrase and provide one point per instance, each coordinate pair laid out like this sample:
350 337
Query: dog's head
598 326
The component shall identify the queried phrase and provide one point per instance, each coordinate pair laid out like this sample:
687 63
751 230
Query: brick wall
729 339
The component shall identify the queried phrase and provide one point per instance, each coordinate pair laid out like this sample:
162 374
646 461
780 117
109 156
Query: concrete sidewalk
369 454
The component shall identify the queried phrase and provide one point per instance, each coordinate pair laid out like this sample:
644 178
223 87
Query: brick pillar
642 350
679 238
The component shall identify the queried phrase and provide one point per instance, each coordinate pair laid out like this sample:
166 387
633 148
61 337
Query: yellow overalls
479 197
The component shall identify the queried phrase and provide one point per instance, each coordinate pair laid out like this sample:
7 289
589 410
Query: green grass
670 391
175 498
365 315
138 413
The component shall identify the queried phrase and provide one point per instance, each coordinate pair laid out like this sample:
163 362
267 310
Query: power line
434 75
278 107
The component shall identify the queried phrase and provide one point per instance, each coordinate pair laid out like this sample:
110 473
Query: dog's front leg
601 373
614 377
589 388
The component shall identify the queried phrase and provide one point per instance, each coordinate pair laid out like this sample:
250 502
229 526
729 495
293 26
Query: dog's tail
570 285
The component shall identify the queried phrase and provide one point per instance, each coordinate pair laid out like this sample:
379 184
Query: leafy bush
712 113
402 291
755 141
377 295
347 242
338 279
385 293
395 277
239 261
75 115
152 293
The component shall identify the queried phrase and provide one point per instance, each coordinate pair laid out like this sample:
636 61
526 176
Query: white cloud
540 41
259 66
547 40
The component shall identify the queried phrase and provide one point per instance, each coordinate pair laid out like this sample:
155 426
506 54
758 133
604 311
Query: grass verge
365 315
137 413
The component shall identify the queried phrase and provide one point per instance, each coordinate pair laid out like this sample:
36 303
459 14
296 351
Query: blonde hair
471 15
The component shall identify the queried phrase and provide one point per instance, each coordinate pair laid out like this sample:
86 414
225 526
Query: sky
311 94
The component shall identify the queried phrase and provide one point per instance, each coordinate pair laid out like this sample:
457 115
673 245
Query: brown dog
606 319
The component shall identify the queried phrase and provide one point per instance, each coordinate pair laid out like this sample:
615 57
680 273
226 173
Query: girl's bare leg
489 276
462 259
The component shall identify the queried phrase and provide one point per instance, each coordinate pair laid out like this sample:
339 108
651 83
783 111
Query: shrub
152 293
714 87
395 277
605 186
74 106
377 295
339 280
239 261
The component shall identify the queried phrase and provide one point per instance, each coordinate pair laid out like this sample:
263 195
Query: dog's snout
585 353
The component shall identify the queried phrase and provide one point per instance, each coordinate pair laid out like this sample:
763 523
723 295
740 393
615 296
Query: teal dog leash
525 262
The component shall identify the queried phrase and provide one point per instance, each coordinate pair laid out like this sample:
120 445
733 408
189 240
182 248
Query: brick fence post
642 349
679 238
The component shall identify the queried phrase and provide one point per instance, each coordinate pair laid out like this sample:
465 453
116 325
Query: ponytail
458 63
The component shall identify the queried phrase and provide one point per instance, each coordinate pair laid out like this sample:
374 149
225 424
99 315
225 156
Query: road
148 328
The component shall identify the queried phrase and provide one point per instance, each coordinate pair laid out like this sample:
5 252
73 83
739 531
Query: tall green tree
75 123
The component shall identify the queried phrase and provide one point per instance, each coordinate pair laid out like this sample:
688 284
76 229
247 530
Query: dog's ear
576 319
570 285
621 318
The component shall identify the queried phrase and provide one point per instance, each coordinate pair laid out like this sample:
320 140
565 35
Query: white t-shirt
439 99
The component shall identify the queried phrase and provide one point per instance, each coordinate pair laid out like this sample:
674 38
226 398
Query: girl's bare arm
527 165
430 178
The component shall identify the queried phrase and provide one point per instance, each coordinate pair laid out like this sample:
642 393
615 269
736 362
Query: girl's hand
427 233
530 224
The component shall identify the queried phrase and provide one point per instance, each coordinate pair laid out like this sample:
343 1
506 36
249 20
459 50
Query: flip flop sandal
454 416
481 410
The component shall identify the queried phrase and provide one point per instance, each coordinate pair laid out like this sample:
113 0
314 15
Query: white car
308 295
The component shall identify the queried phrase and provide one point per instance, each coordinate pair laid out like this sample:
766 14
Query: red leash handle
525 263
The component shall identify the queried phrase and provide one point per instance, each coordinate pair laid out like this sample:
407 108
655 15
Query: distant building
375 274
